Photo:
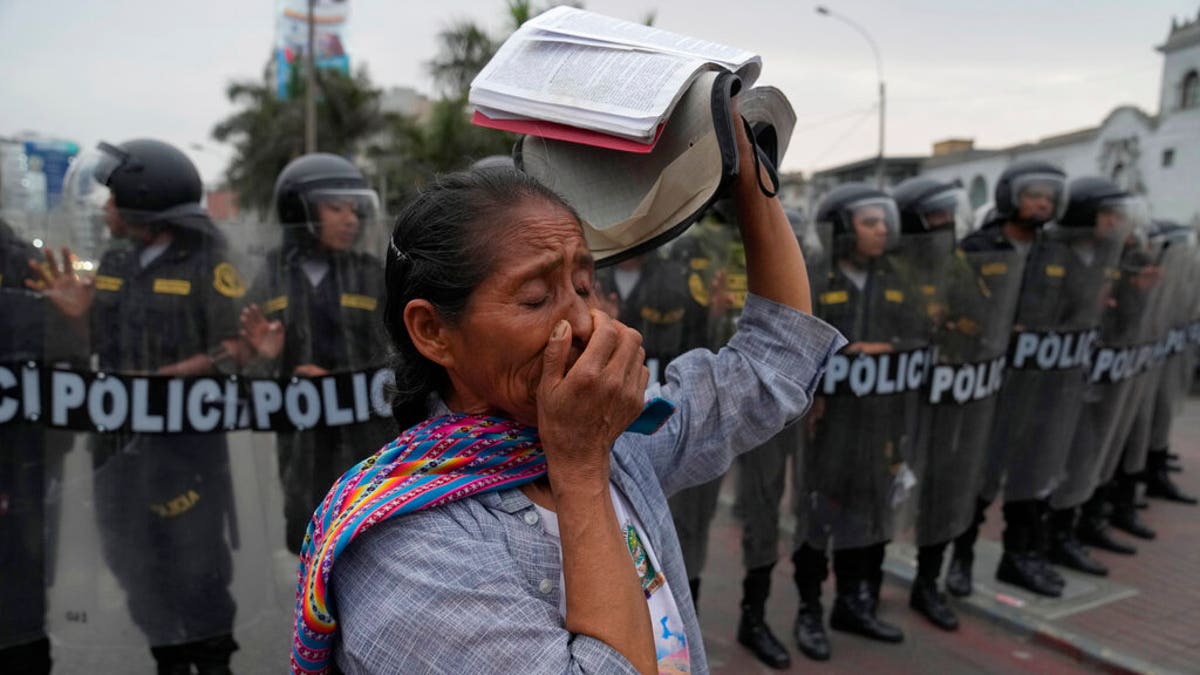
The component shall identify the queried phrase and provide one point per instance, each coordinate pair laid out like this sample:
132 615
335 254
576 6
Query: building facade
1157 156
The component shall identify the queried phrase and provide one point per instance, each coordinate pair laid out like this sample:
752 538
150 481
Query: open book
593 77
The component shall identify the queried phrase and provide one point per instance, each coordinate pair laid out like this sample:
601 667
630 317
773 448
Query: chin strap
759 163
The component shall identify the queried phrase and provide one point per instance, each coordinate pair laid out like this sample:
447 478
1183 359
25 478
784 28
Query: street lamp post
825 11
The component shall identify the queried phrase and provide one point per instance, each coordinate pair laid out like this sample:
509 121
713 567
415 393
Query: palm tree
267 132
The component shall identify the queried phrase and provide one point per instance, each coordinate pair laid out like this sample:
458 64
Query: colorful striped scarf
438 461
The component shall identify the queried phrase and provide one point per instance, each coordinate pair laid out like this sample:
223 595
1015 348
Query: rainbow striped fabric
438 461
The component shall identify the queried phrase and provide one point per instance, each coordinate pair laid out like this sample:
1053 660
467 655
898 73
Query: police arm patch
228 281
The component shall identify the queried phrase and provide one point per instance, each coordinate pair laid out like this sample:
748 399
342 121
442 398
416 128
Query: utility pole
825 11
310 84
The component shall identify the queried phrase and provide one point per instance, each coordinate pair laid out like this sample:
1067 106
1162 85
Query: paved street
1144 617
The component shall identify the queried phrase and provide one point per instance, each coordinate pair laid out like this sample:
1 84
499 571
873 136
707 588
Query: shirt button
531 517
546 586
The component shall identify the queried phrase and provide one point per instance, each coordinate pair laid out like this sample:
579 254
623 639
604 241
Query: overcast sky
998 72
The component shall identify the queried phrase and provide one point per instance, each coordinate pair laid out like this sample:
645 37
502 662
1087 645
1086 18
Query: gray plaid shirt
473 586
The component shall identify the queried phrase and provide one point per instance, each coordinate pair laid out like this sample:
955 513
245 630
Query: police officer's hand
310 370
60 284
266 337
870 348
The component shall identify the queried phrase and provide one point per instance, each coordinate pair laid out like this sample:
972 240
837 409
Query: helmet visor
949 208
1117 217
109 159
344 219
1039 197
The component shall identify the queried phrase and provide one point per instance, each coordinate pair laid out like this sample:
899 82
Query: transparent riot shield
650 294
863 423
973 309
1067 281
155 530
1130 323
23 466
314 309
211 382
1165 382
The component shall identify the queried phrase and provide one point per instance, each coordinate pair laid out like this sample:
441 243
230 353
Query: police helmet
837 211
1098 207
1087 194
146 176
1035 178
151 183
310 180
930 205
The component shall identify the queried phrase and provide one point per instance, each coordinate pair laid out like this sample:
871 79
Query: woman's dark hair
440 251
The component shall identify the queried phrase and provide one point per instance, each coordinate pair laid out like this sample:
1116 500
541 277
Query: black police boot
212 656
1093 528
753 632
1158 480
924 596
172 660
929 603
1124 514
1026 571
1020 564
1066 549
958 576
29 658
811 568
809 629
1041 545
852 613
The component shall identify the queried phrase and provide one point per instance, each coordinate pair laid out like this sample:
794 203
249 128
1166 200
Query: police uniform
337 325
163 502
1039 405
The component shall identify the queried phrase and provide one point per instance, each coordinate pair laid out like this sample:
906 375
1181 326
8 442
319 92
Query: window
1168 157
1189 91
979 192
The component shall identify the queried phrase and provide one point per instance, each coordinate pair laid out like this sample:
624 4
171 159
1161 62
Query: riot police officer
166 305
861 435
317 304
1058 315
1097 204
971 299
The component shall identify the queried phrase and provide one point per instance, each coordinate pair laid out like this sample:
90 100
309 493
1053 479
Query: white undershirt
315 270
670 641
151 252
1086 252
626 280
856 276
1021 246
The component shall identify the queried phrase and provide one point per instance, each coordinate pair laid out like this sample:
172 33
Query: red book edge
563 132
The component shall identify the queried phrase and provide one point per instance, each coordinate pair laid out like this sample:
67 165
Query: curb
1081 647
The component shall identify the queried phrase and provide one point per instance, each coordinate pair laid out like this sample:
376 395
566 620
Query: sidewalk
1144 617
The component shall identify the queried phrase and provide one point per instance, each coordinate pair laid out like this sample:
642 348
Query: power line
840 139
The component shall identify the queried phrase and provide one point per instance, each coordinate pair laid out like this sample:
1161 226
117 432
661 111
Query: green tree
267 132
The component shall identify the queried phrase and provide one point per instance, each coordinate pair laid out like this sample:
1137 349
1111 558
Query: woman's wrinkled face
542 272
